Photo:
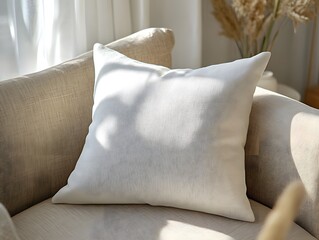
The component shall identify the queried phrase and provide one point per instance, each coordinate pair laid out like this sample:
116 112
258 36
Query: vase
268 81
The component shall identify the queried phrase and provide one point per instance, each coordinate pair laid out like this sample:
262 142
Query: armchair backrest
44 119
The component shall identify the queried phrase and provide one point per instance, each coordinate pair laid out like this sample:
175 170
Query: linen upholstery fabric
116 222
44 119
7 229
167 137
288 133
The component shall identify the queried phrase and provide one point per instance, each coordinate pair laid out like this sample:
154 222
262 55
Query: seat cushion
116 222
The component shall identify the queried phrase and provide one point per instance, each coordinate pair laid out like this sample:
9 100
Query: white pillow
167 137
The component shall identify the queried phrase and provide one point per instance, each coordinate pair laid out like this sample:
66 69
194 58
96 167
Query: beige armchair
44 118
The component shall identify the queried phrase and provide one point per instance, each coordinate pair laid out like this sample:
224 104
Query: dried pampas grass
300 11
254 24
227 18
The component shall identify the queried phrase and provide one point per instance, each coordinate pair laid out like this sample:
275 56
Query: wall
216 48
185 18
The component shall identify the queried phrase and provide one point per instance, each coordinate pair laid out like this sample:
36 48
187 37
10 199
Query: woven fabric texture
44 119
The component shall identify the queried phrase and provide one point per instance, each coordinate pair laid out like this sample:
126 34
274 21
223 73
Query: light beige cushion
44 119
137 222
288 149
167 137
7 229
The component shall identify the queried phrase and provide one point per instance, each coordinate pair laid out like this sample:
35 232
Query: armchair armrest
288 135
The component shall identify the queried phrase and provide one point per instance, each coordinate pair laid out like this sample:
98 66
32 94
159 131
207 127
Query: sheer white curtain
36 34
